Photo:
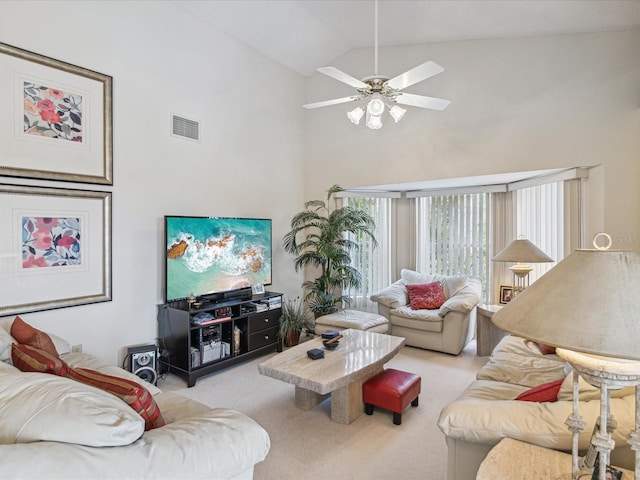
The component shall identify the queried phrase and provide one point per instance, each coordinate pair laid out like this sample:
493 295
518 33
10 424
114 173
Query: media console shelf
232 332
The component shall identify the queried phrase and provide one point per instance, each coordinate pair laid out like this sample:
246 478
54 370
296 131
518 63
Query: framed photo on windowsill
57 120
55 248
506 294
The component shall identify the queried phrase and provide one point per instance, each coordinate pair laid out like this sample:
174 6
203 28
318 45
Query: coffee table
341 372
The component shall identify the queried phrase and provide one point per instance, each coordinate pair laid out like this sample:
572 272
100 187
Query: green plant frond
306 219
334 189
309 258
315 204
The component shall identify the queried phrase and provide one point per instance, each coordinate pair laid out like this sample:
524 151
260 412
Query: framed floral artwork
55 248
57 120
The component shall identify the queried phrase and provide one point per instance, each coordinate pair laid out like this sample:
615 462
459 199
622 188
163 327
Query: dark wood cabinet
233 331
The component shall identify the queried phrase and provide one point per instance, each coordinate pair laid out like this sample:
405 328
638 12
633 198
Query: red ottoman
392 390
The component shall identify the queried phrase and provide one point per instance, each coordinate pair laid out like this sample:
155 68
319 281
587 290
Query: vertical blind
539 214
453 235
373 263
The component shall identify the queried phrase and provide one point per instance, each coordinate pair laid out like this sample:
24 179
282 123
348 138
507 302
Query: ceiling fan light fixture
397 112
374 122
375 107
356 115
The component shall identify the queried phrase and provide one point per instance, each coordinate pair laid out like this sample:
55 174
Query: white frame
257 289
30 290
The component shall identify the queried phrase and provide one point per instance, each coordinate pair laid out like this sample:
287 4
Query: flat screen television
210 256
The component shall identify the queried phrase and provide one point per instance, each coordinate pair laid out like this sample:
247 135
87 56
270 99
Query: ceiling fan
382 88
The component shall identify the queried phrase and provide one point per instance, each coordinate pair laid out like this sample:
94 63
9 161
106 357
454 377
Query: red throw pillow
547 392
30 359
134 394
427 296
27 335
546 349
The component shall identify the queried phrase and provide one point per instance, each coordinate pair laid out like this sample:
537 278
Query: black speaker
143 362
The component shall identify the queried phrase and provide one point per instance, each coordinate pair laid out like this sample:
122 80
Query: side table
487 334
524 461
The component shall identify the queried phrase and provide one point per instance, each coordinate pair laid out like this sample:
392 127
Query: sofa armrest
464 300
486 413
393 296
222 444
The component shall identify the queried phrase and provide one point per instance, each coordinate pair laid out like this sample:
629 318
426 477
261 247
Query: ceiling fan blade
422 101
415 75
335 101
339 75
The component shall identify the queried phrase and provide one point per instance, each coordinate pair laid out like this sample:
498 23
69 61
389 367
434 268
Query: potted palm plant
293 320
319 238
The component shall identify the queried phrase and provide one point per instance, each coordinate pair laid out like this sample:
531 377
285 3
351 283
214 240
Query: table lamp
522 252
588 307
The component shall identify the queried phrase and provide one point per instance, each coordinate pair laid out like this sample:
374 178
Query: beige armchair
447 329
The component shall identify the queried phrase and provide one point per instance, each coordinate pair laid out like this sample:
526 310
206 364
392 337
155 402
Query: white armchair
446 329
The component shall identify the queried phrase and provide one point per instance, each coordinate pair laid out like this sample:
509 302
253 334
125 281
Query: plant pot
292 338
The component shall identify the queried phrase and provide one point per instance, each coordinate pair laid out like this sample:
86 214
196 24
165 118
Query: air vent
185 128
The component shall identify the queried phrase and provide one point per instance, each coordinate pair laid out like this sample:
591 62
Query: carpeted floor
308 445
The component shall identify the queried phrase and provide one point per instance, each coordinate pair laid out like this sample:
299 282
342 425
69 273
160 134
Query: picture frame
58 121
55 248
506 294
257 289
612 473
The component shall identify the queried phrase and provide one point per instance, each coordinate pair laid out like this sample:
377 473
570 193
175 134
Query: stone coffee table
341 372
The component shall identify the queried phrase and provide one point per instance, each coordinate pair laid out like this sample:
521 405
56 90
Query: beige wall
247 164
517 105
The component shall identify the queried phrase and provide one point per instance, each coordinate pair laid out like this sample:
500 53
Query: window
453 235
373 263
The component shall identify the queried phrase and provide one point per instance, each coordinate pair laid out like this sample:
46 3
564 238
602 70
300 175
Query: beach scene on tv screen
211 255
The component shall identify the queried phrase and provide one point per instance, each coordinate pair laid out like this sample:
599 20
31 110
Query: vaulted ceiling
306 34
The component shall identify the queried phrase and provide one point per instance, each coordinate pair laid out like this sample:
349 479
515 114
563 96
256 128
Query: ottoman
343 319
392 390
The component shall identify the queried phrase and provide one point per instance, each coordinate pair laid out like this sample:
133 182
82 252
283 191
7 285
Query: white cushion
393 296
41 406
450 284
352 319
518 361
587 392
5 345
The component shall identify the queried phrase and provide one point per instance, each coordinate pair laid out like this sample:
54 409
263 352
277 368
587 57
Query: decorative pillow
51 408
413 277
5 345
546 349
30 359
547 392
134 394
427 296
26 334
392 296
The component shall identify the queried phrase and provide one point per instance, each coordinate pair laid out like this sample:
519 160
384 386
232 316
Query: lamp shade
589 302
522 251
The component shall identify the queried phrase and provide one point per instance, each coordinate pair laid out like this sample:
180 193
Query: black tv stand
236 331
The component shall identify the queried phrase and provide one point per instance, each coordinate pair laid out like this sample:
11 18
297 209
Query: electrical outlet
77 348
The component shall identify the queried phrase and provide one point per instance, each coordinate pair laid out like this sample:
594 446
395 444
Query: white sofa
56 428
446 329
487 410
